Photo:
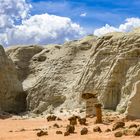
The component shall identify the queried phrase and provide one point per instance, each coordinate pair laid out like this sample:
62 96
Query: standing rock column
90 99
90 108
98 112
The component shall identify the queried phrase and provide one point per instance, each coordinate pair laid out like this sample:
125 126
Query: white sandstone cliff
49 73
12 96
56 75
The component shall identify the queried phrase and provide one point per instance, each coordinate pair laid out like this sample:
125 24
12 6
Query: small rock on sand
108 130
97 129
133 125
59 132
84 131
56 125
73 120
51 118
70 128
82 121
118 134
129 132
137 133
66 133
42 133
118 124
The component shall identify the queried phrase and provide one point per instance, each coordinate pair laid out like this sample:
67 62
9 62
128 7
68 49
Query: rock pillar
90 100
98 112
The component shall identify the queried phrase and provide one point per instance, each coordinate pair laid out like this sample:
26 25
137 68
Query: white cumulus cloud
44 29
105 29
12 10
130 24
83 15
18 27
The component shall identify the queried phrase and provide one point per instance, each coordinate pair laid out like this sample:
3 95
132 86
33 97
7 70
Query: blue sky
57 21
98 12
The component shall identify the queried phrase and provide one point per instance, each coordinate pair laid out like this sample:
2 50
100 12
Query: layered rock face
21 56
55 76
112 70
133 110
49 73
12 96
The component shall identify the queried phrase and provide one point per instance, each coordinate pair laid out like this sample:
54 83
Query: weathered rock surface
21 56
12 97
112 70
133 110
49 73
55 75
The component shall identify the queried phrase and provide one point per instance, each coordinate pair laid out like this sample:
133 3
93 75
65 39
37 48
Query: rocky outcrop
21 56
12 96
56 76
49 73
133 111
112 70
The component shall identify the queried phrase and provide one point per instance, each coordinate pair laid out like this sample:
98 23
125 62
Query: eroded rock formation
56 75
133 111
113 68
49 73
12 96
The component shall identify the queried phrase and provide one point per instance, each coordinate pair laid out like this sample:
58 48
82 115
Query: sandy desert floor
26 129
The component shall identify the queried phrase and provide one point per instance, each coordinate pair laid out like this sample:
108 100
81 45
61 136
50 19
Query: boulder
97 129
108 130
82 121
118 134
133 125
84 131
56 125
51 118
129 132
42 133
137 133
59 132
66 133
70 128
118 125
73 120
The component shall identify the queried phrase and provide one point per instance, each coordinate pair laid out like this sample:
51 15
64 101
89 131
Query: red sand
30 124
